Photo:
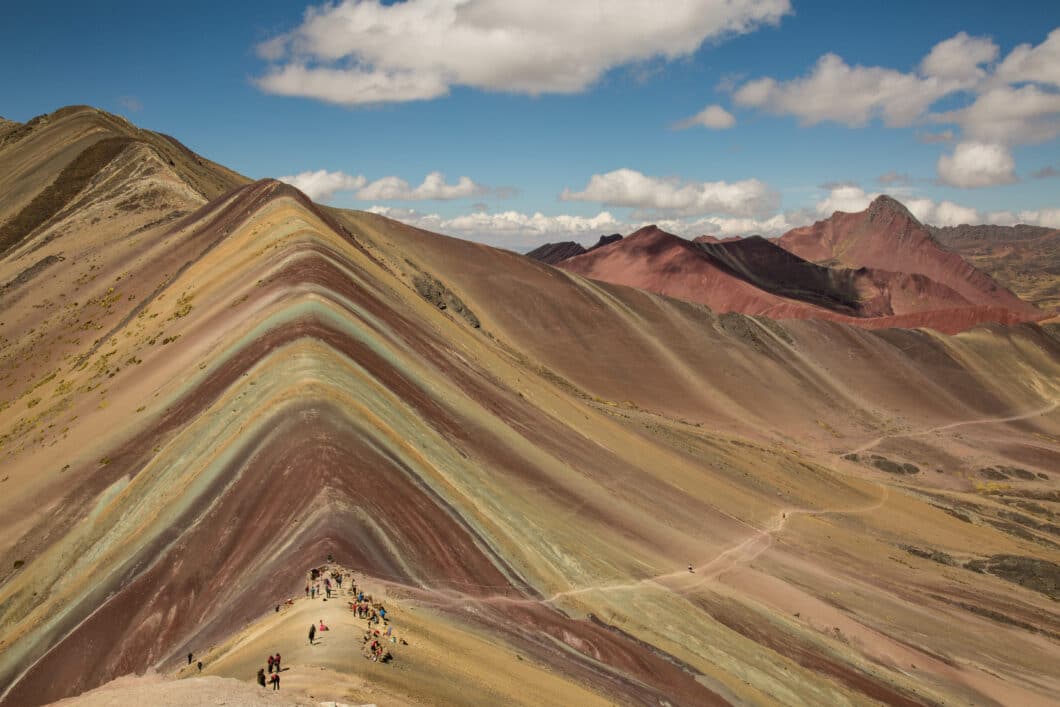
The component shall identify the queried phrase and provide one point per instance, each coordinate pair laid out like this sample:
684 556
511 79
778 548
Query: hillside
755 276
891 273
207 395
886 236
1025 259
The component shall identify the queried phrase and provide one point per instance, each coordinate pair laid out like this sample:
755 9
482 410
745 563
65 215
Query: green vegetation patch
1041 576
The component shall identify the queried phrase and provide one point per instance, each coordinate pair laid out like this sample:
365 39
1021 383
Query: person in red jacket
270 663
275 681
276 661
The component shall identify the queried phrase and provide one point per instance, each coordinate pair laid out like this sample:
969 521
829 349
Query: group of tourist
274 679
322 582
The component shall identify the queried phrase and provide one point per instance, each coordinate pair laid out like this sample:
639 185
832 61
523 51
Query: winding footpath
962 423
744 552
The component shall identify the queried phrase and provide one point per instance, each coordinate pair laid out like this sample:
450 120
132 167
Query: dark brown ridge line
73 178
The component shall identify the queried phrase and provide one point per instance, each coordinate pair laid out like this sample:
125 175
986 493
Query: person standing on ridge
189 658
312 633
270 664
275 681
276 660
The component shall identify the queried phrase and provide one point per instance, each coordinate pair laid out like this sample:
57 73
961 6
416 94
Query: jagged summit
553 253
884 204
886 236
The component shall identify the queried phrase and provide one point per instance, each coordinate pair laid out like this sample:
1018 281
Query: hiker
189 658
275 681
270 664
323 626
313 592
199 664
382 613
261 676
307 591
277 661
312 633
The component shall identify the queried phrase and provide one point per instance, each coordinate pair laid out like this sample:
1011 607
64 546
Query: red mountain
888 237
756 276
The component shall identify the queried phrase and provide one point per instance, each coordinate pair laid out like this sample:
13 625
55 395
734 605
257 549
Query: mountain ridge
203 398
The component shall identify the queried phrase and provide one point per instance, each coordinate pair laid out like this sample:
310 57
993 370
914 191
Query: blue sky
582 99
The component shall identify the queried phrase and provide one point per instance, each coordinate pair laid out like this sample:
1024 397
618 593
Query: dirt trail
962 423
742 553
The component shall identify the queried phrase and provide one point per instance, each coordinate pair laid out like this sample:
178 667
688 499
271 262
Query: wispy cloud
131 103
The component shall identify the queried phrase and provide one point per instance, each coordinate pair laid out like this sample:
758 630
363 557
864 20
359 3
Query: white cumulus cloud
960 57
845 197
363 51
1009 115
943 213
724 227
714 117
432 188
1050 218
628 187
1030 63
510 229
322 185
1012 102
1041 217
977 164
850 95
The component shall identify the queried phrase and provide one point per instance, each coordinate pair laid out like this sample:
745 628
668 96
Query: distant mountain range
876 268
1025 259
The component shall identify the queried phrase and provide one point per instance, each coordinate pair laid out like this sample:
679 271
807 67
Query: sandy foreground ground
154 689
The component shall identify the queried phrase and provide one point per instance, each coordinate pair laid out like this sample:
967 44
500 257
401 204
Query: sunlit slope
259 383
71 160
